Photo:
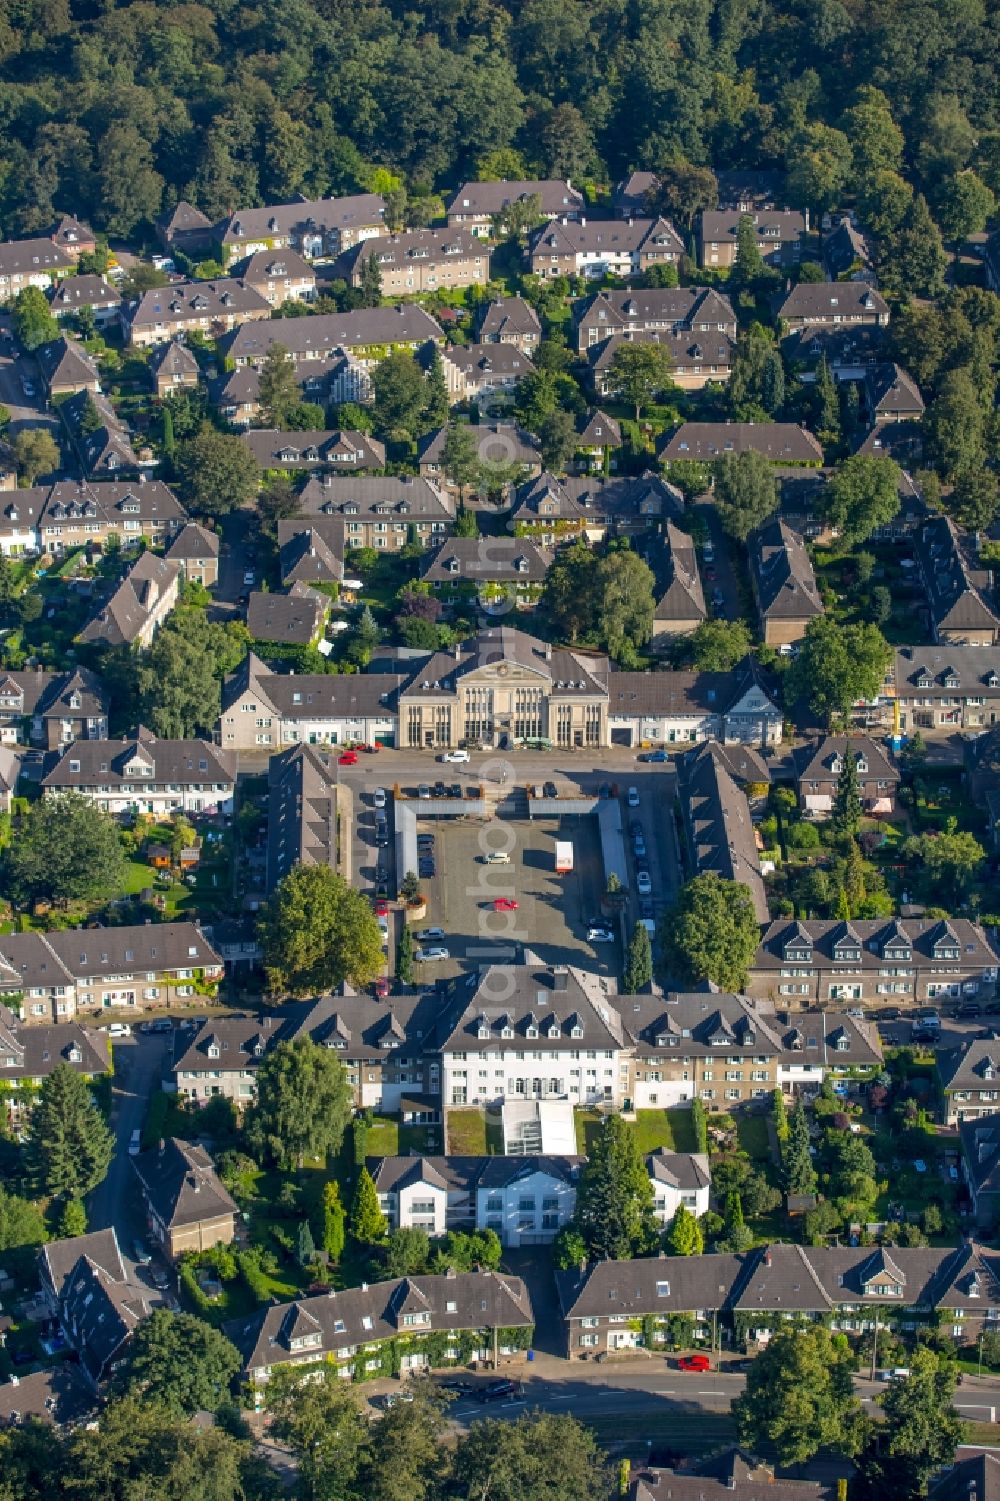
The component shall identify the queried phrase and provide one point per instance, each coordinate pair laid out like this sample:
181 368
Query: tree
914 260
846 816
877 143
407 1252
820 166
404 956
837 665
955 426
278 501
334 1221
67 850
218 471
614 1202
176 685
557 440
407 1458
975 499
964 204
319 1417
826 405
305 1245
948 860
757 386
748 266
638 371
513 1461
73 1220
317 932
779 1115
568 597
639 962
280 392
716 645
367 1222
625 601
712 933
862 496
691 477
303 1103
459 458
69 1145
684 1234
799 1397
32 319
920 1433
736 1237
36 452
179 1363
438 402
746 492
21 1222
371 280
400 395
682 191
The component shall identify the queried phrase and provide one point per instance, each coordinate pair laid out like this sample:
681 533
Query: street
138 1064
25 411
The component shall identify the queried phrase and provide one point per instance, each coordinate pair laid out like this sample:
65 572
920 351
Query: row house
779 233
783 582
476 205
32 263
680 606
213 308
495 443
97 1298
820 765
872 961
687 708
969 1080
499 571
616 1306
279 277
91 293
195 550
315 227
956 588
173 368
511 320
552 510
386 512
96 512
695 359
52 708
138 607
780 442
262 709
341 450
51 977
827 304
146 775
719 831
188 1208
366 334
484 372
655 310
421 260
597 248
345 1330
29 1054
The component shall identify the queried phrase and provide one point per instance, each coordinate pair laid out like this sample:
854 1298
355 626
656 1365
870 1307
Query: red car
382 987
505 904
381 909
694 1363
348 758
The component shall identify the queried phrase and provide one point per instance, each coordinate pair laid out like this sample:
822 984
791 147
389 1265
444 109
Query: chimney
548 651
457 648
560 977
767 1258
161 1146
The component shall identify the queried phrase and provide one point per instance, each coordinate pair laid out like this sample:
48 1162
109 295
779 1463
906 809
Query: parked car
27 386
496 857
694 1363
135 1143
427 869
633 797
639 845
655 757
645 907
496 1391
393 1399
457 1384
430 935
382 987
440 790
551 789
119 1029
643 883
600 935
429 955
347 758
141 1252
248 577
505 904
424 792
378 797
455 790
457 757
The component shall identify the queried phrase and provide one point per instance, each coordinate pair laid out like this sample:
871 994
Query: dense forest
114 111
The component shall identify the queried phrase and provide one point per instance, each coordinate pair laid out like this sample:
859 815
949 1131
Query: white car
496 857
427 956
430 935
378 797
643 884
248 577
119 1029
457 757
633 797
600 935
423 792
135 1143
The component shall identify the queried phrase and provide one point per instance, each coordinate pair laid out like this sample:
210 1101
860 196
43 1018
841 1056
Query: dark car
427 869
646 908
425 838
498 1390
605 790
458 1385
550 789
440 790
456 789
969 1008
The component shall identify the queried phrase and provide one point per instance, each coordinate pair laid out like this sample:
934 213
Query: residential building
748 191
781 442
420 260
972 1477
187 1206
668 708
531 1031
680 1180
846 253
172 367
553 511
316 227
695 359
819 766
311 552
525 1200
32 263
29 1054
605 1305
52 708
511 320
195 550
710 1046
368 335
982 774
495 443
891 395
73 236
346 1329
66 367
341 450
733 1475
479 372
498 571
603 247
236 395
211 307
597 439
827 304
91 1290
902 960
138 607
92 513
850 350
58 1395
146 775
902 440
956 587
656 310
279 276
301 812
719 831
184 228
477 204
947 687
779 234
261 708
680 607
382 511
969 1076
784 584
631 194
979 1138
106 450
293 619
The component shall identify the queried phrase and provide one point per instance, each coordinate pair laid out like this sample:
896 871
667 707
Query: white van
457 757
496 857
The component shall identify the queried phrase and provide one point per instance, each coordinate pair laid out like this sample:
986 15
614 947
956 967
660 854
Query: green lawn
382 1139
425 1139
466 1133
751 1132
654 1130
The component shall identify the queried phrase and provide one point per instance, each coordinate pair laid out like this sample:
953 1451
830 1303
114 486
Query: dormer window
531 1030
554 1030
862 765
836 766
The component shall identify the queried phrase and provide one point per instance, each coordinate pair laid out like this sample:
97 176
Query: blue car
657 755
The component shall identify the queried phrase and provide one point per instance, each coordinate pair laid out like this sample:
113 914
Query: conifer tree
368 1224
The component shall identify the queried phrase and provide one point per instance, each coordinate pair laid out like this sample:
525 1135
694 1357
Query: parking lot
552 913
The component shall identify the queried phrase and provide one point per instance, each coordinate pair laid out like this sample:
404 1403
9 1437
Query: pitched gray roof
191 301
815 760
302 811
33 1051
194 541
831 302
120 621
481 361
496 442
319 335
174 359
88 763
181 1185
64 362
954 588
781 442
30 257
342 449
719 827
358 210
892 393
682 596
520 999
509 316
485 560
777 226
367 495
293 618
488 198
783 573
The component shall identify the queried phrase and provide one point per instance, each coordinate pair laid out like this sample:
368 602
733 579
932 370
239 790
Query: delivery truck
564 857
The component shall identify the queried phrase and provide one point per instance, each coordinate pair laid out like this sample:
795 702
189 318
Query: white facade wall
583 1076
667 1200
528 1212
652 1094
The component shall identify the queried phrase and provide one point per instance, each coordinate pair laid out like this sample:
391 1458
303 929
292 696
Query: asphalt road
115 1203
25 411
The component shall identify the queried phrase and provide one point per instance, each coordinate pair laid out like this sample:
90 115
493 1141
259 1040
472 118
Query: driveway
139 1062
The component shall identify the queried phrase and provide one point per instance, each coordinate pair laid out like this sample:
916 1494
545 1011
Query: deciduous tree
401 394
920 1433
684 1235
36 452
800 1398
317 932
638 371
862 496
712 933
21 1222
218 471
280 392
837 665
304 1102
179 1363
746 492
67 849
